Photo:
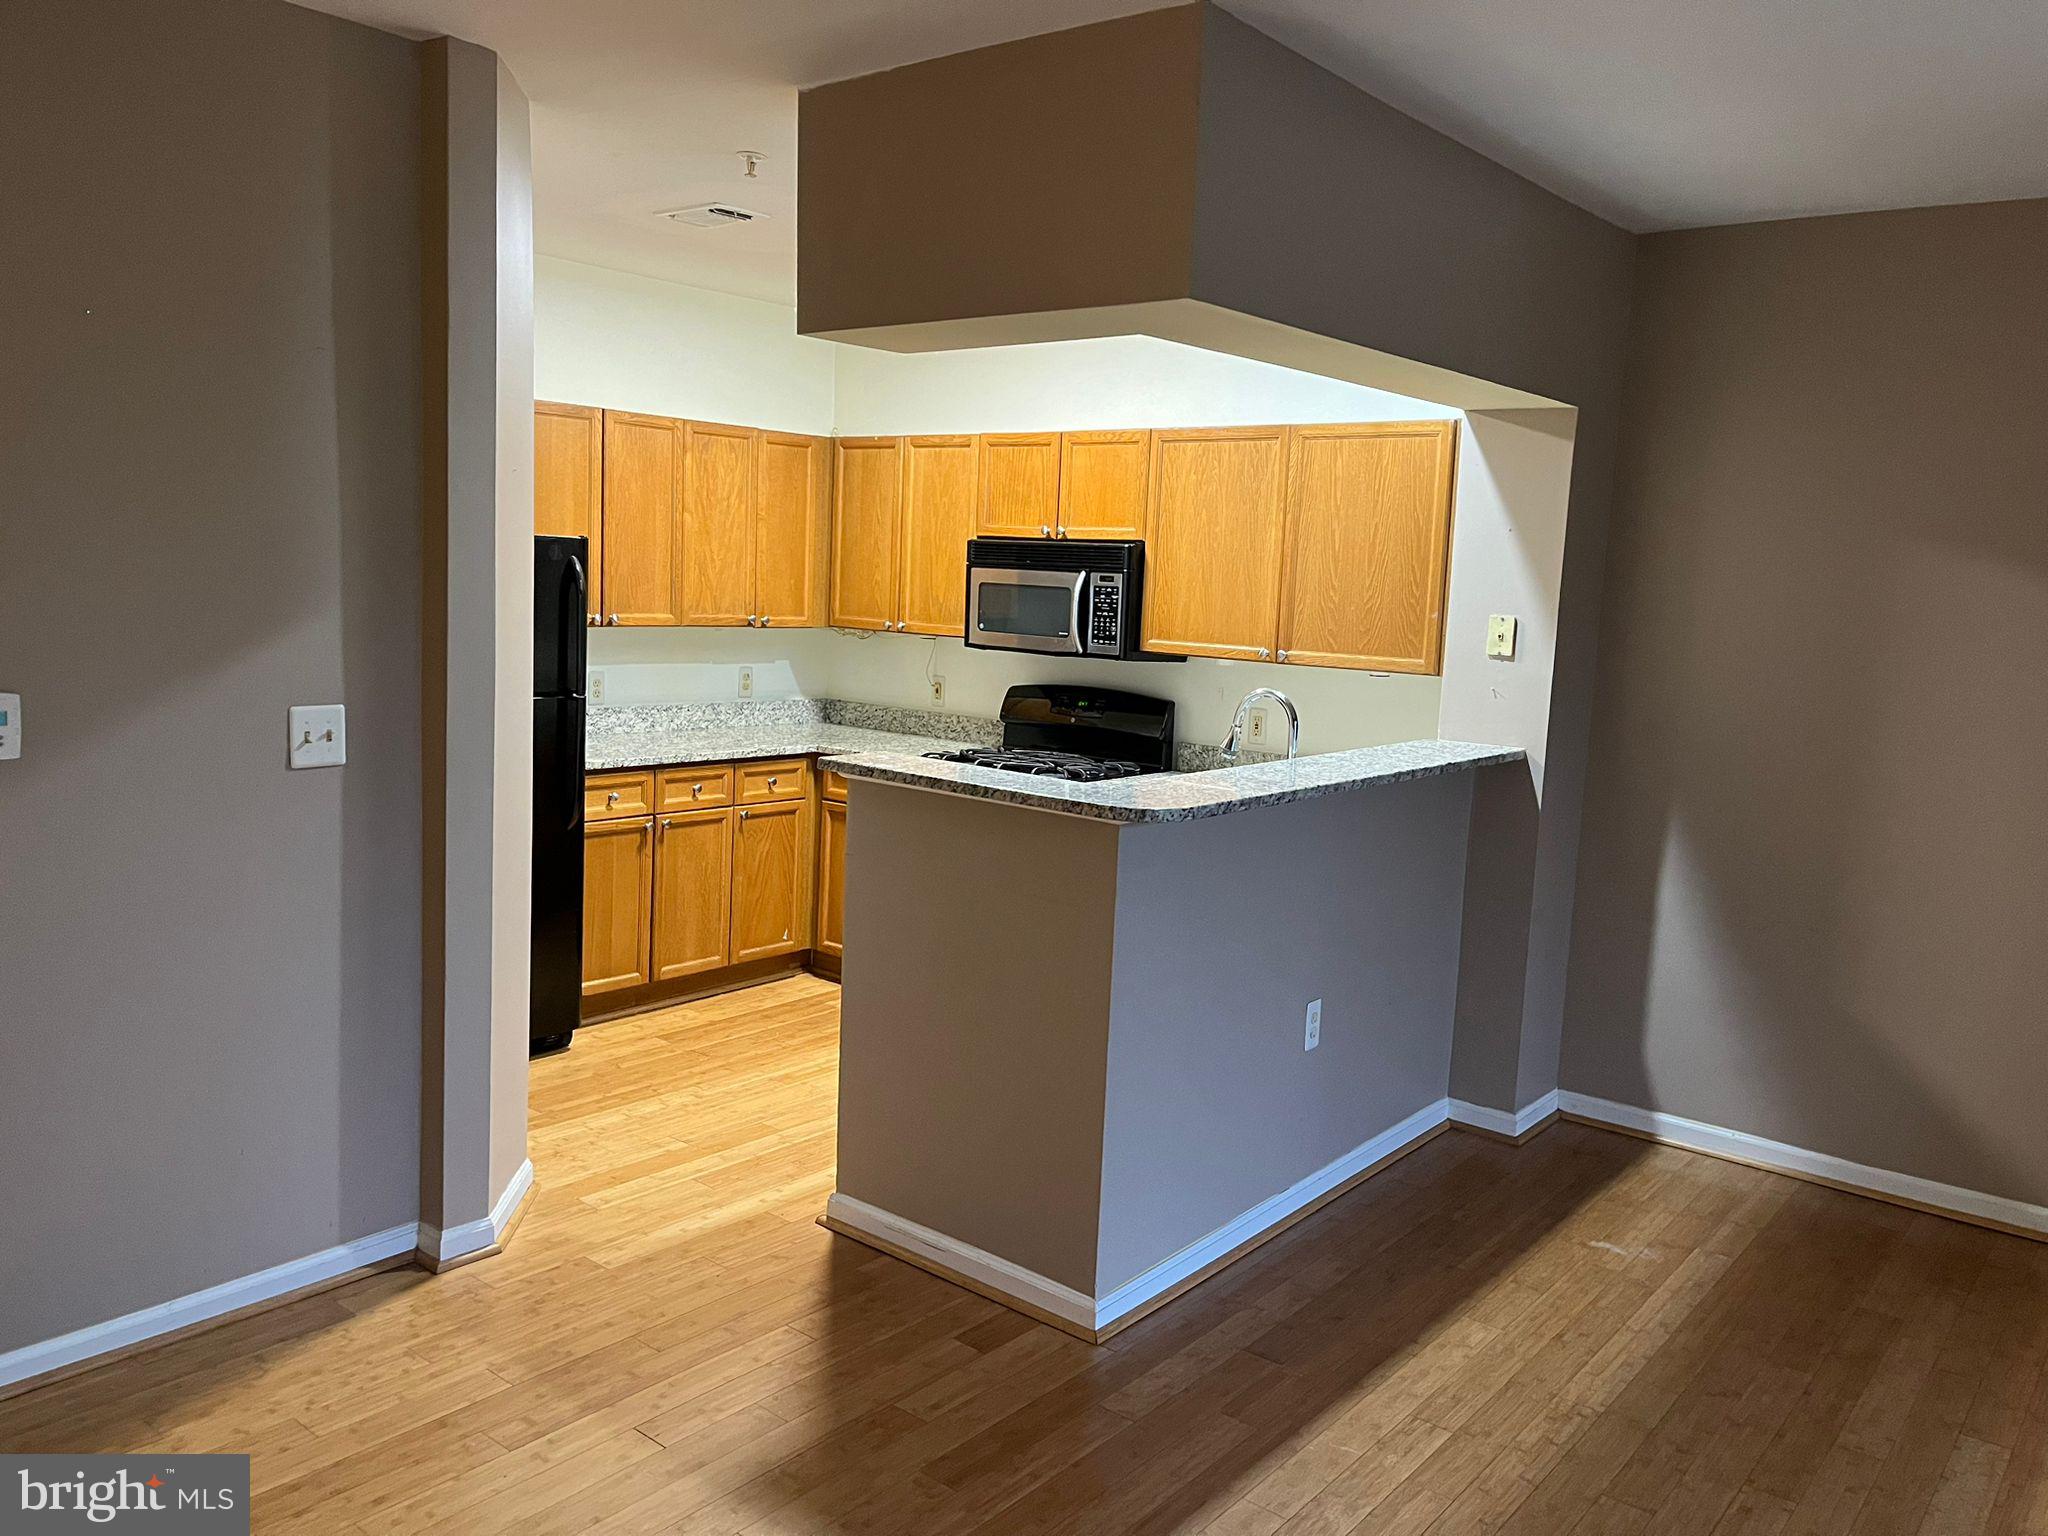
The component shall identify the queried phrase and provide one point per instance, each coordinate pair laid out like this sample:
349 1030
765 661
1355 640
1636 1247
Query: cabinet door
718 524
831 934
618 870
867 495
771 880
692 892
938 520
792 516
568 481
642 565
1103 476
1368 545
1212 541
1020 485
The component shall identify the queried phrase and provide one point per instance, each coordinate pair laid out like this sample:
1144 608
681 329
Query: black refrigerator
560 579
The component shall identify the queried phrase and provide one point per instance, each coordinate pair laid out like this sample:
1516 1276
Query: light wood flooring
1584 1334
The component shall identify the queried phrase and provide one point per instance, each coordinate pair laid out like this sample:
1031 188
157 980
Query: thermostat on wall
10 725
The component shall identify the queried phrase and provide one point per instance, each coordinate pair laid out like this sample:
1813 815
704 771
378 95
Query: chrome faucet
1236 736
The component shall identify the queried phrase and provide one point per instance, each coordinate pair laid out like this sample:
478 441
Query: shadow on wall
1812 903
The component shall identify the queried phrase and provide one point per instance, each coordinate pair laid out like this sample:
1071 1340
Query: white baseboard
203 1306
1761 1152
118 1333
1481 1117
446 1246
1094 1314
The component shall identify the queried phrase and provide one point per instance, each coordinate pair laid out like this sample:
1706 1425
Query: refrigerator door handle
572 768
567 634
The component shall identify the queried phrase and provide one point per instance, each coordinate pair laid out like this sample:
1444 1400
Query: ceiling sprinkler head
751 159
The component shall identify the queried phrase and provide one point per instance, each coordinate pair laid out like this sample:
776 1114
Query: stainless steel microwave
1058 597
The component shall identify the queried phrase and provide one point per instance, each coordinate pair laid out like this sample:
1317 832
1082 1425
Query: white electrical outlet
1255 731
746 682
1312 1033
319 736
595 687
938 690
10 726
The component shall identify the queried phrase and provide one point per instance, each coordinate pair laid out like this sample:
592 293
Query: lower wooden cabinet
771 880
830 938
692 892
618 867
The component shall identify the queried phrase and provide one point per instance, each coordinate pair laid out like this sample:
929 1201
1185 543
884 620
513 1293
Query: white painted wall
637 343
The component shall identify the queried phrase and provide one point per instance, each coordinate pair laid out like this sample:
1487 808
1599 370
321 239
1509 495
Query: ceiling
1657 114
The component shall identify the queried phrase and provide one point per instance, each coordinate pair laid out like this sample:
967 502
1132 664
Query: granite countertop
658 735
1184 796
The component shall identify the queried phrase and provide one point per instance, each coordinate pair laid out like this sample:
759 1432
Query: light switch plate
10 726
1500 636
319 736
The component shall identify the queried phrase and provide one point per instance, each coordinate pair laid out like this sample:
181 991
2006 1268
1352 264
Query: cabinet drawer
608 796
684 789
834 787
786 778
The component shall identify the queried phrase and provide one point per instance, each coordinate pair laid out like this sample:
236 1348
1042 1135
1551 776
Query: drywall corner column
478 686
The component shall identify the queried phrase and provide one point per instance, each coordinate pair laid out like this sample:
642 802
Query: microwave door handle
1077 630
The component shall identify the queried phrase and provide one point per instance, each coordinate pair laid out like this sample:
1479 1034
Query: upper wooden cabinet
1368 528
718 524
792 527
1103 477
939 487
1019 495
1212 541
867 498
568 481
642 553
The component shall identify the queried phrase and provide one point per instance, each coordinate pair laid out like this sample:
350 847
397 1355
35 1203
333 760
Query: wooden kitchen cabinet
692 892
568 482
642 552
717 524
1019 490
1103 477
1213 541
830 937
792 527
771 880
867 496
618 878
939 488
1367 545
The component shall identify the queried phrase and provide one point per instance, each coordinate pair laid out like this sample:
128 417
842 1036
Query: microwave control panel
1105 622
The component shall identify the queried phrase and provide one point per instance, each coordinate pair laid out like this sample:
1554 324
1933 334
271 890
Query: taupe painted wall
209 510
1812 903
973 1021
1225 929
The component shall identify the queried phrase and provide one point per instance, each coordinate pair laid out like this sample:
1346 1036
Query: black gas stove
1087 735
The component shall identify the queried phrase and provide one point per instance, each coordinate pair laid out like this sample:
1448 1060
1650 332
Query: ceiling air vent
712 215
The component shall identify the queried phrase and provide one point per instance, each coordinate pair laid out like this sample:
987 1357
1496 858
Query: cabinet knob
1045 530
696 790
766 621
611 618
1283 655
612 798
773 781
744 815
1263 653
667 822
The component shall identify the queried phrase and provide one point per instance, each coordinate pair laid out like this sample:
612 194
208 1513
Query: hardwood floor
1584 1334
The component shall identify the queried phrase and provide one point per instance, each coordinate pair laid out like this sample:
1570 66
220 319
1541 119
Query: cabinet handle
753 618
612 798
1283 655
1263 653
766 621
744 815
1044 530
696 790
612 619
667 822
772 781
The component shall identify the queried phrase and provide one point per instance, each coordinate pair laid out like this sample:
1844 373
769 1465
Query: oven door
1010 610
